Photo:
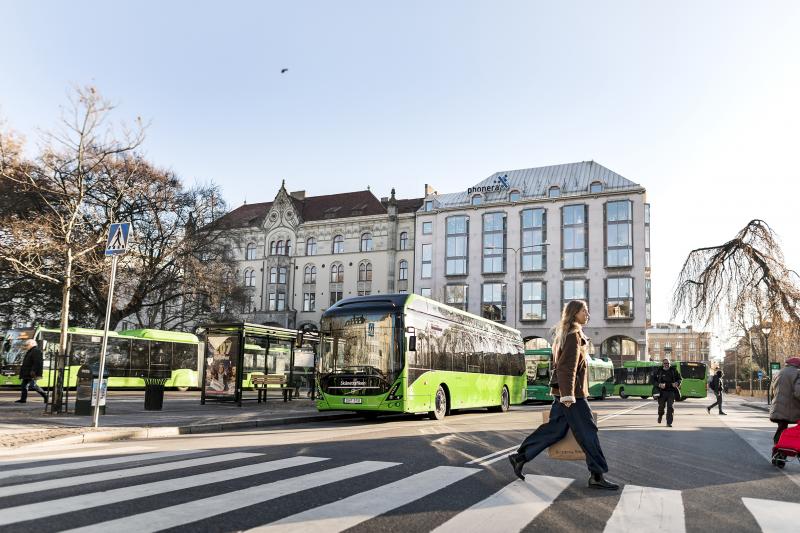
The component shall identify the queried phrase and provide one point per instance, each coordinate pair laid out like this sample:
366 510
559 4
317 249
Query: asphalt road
706 473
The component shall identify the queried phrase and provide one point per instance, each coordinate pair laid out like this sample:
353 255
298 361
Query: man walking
668 381
31 370
716 388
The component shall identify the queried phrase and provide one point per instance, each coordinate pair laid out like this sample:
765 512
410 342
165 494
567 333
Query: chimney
429 190
300 195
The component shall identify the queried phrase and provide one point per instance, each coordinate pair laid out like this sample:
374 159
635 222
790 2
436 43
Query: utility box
85 390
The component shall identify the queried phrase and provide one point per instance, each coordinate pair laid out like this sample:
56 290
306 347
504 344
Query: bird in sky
284 70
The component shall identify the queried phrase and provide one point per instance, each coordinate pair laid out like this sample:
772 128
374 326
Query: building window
493 301
426 267
656 345
271 306
404 240
619 297
425 291
534 234
310 274
457 246
428 205
336 296
553 192
337 273
309 301
366 242
574 250
338 245
596 187
574 289
272 248
280 249
281 301
692 345
273 275
647 307
456 296
281 276
534 300
619 233
249 278
250 253
250 304
311 246
477 200
365 271
514 196
647 235
494 243
403 276
427 228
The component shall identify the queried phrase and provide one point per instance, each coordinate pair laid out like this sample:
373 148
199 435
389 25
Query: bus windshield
693 371
360 343
12 350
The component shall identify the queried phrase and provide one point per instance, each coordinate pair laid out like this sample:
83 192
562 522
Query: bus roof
160 335
80 331
637 364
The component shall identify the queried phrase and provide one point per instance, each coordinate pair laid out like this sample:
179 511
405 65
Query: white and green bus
403 353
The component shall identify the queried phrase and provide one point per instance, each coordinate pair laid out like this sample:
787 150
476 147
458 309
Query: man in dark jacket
716 388
31 370
668 381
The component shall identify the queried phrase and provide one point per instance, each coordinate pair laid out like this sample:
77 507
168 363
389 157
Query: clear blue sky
695 100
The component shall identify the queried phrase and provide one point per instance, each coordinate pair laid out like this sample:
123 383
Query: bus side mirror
412 343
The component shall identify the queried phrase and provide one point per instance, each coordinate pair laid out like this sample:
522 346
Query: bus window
85 349
184 356
140 357
117 353
693 370
160 359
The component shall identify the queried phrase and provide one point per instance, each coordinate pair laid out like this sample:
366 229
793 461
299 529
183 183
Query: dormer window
477 200
554 192
596 186
428 205
514 196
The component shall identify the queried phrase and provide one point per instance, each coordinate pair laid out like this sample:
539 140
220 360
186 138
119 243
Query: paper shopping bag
567 449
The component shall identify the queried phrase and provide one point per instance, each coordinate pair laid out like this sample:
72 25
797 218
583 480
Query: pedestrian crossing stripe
512 507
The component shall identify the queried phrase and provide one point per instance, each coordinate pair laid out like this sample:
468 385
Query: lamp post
750 366
766 329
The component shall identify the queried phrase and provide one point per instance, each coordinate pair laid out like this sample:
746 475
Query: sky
697 101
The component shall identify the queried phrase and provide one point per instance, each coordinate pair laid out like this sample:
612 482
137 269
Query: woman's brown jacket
570 366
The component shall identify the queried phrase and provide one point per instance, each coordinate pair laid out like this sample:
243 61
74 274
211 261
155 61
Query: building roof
572 178
311 208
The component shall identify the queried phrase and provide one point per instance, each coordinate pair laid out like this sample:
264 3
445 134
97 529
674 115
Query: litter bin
154 392
85 390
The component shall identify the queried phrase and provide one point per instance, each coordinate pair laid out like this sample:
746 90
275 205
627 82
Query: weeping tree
744 282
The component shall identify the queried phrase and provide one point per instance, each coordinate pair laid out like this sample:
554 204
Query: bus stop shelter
238 355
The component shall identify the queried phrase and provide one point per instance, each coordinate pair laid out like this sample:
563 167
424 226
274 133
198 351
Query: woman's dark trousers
718 403
562 418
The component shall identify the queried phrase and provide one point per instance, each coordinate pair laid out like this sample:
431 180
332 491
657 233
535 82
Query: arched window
249 278
514 196
404 240
596 186
288 247
251 251
310 274
272 248
365 271
273 275
280 249
311 246
403 270
337 273
476 200
366 242
338 245
554 192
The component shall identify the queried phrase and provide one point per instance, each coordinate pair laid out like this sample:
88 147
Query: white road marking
35 458
510 509
351 511
625 411
225 503
37 511
648 509
773 516
480 459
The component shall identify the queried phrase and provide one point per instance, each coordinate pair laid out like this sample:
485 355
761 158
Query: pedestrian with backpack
716 388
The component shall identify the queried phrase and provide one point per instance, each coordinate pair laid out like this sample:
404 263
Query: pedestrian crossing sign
117 243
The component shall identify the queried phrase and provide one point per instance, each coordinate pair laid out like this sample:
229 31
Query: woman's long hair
567 323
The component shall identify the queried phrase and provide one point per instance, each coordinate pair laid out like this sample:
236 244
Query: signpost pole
96 414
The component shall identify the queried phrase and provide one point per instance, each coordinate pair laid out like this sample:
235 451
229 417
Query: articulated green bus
130 355
635 378
403 353
537 364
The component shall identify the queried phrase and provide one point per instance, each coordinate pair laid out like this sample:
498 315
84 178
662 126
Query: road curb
157 432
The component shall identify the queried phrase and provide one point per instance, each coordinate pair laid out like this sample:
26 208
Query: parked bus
403 353
538 364
635 378
130 356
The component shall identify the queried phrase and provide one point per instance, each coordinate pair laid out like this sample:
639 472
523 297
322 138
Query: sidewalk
754 402
26 424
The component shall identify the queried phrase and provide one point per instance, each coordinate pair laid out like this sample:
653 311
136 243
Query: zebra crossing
513 507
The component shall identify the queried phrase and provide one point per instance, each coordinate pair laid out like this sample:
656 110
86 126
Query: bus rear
693 379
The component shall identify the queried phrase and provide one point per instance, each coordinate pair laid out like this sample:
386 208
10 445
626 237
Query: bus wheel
182 389
505 402
645 397
603 394
440 405
623 395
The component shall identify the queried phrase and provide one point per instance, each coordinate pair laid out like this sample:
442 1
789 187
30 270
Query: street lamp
766 329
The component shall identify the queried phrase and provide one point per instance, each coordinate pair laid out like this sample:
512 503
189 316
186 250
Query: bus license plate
352 400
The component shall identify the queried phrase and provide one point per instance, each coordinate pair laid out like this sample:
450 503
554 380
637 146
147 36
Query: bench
262 383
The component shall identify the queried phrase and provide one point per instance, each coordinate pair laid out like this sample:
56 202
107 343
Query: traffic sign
117 243
773 366
760 374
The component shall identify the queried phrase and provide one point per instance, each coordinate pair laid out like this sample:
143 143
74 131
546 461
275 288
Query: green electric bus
635 378
131 355
403 353
537 364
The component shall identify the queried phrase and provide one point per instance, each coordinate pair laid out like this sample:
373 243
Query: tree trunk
57 395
